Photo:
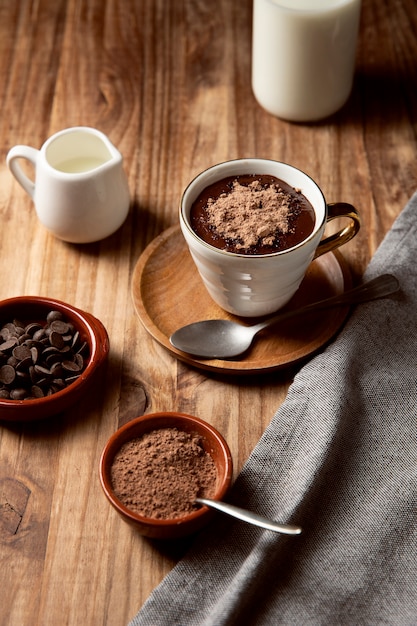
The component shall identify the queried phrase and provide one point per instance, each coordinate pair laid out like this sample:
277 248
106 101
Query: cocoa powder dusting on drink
160 474
250 213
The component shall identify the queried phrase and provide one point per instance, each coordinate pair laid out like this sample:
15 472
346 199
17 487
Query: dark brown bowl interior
212 442
34 308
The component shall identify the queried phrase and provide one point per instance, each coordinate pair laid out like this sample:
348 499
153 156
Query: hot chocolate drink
252 214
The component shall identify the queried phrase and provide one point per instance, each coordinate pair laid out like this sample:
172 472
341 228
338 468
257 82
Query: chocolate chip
21 352
37 360
12 361
23 338
53 315
58 326
8 345
24 364
34 353
18 394
78 358
40 369
32 328
39 334
37 391
57 340
7 374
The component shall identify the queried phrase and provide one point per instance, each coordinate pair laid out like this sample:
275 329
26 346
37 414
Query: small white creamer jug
80 189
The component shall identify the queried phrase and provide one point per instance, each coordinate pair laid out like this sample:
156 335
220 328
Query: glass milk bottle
303 56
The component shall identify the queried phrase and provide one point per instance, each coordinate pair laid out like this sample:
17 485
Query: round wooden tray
168 293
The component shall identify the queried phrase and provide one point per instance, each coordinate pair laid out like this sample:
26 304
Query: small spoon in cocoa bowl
224 339
249 517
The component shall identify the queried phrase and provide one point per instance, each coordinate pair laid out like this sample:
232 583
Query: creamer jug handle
12 160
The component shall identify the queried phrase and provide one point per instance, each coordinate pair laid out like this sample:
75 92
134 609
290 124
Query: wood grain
169 82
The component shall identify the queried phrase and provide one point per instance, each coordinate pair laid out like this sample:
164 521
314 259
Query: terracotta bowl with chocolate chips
51 353
153 468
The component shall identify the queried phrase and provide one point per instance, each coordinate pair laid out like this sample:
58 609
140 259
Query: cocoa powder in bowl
160 474
213 445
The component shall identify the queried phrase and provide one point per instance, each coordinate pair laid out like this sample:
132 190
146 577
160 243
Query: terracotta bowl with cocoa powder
153 467
47 366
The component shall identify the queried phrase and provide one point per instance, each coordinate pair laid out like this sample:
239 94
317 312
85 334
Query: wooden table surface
169 82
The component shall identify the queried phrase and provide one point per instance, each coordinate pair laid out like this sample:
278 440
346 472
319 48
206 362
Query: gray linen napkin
340 459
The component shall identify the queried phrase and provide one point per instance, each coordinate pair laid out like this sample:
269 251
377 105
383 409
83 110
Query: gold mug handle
334 210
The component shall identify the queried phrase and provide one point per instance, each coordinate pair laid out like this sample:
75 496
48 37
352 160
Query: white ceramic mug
80 189
255 285
303 56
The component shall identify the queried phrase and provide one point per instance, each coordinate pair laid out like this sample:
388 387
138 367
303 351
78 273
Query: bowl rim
93 329
112 447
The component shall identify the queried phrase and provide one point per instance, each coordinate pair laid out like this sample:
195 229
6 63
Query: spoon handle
379 287
251 518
